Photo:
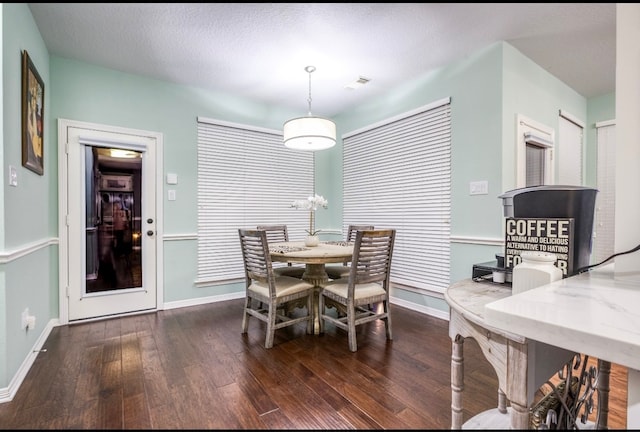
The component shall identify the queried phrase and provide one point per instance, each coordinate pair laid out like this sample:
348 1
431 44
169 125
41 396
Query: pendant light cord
310 69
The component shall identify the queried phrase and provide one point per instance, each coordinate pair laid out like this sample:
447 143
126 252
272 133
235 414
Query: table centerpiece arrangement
311 204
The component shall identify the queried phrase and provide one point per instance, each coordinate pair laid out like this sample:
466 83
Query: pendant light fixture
310 132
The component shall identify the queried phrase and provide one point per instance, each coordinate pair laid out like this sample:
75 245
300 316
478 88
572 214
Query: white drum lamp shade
309 133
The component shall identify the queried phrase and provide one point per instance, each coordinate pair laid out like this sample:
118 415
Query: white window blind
246 178
535 165
397 174
534 153
604 225
537 145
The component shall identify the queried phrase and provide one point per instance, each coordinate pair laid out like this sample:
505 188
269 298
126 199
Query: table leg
502 402
457 381
517 364
602 418
317 275
633 398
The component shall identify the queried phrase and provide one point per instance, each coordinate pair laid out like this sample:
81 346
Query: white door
570 159
108 231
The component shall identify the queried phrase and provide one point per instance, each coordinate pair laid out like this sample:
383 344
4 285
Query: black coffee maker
551 201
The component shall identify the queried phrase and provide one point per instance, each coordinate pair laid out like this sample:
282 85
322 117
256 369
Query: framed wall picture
32 116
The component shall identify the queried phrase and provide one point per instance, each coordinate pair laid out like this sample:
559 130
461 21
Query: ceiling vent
357 83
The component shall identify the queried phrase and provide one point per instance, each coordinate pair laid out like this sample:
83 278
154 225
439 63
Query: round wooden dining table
314 258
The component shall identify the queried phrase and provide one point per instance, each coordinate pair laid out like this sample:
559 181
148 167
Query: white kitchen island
596 313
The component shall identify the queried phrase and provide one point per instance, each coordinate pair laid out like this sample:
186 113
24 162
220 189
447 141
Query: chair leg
271 327
310 312
320 313
245 315
387 321
351 324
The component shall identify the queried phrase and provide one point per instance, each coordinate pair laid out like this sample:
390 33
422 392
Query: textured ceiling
260 50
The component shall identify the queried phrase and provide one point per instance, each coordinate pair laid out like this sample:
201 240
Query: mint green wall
28 237
328 182
27 225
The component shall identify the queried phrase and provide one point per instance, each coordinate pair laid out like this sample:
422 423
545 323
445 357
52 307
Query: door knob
149 220
150 233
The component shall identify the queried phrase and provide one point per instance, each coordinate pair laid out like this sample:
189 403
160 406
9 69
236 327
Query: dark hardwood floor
190 368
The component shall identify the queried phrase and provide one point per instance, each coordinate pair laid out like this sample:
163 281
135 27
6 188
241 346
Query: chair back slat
351 236
255 254
275 233
372 255
351 231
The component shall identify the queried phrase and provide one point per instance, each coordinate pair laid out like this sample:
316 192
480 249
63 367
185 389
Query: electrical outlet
31 322
25 318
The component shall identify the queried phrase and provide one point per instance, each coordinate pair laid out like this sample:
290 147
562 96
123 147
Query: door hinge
67 290
66 220
66 148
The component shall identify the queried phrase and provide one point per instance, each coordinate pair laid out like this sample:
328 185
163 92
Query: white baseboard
203 300
437 313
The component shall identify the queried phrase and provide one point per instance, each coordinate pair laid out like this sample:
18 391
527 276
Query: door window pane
113 248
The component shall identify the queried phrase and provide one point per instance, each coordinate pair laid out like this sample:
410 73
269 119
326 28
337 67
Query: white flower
312 203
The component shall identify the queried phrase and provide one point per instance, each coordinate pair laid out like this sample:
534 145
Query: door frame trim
63 248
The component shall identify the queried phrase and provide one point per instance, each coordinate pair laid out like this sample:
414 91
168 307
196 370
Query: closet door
570 150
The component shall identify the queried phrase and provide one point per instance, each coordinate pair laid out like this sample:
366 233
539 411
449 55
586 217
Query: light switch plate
479 187
172 178
13 176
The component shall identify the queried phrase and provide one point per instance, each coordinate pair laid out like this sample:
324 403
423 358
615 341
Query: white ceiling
260 50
